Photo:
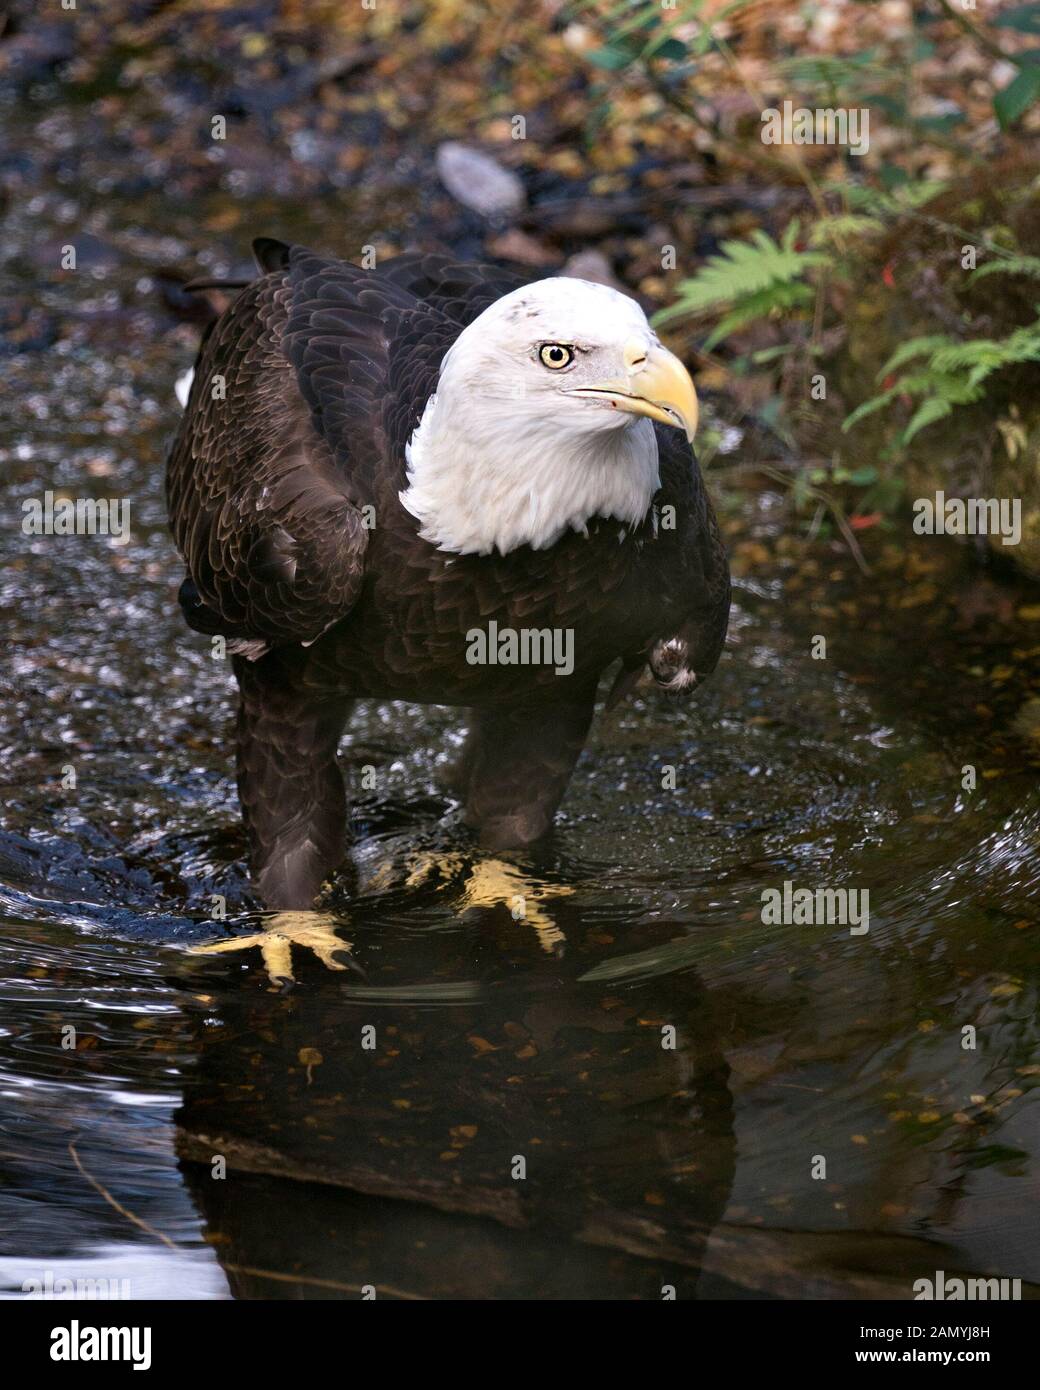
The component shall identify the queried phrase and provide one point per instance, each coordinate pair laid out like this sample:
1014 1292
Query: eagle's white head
542 420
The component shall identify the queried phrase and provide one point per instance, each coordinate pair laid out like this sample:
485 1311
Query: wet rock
583 217
301 83
28 57
479 182
25 327
515 245
594 266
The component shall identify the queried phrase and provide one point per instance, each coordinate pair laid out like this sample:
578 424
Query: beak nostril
635 356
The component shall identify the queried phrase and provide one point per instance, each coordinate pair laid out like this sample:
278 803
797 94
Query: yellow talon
426 865
492 882
314 931
477 882
487 883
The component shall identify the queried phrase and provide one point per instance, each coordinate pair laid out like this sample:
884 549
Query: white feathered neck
502 457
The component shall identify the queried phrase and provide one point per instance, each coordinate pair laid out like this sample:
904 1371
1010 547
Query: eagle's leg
453 777
289 783
517 764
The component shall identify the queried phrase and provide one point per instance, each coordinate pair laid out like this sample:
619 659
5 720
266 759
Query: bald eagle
376 468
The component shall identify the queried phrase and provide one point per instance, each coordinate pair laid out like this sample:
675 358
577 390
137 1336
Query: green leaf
664 44
673 49
1024 19
893 177
928 382
761 305
800 491
842 225
914 347
935 408
885 496
773 354
1009 265
645 17
863 476
893 107
947 373
901 193
869 408
613 59
1017 97
833 70
914 194
948 121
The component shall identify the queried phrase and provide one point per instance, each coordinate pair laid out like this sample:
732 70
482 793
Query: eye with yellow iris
556 356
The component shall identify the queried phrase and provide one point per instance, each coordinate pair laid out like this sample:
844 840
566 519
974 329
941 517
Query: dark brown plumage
326 370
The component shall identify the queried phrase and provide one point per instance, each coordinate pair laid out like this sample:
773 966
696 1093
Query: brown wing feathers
259 494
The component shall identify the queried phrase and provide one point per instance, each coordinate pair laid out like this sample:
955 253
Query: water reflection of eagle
374 464
395 1169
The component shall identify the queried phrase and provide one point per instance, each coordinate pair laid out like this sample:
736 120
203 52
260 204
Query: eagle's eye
556 356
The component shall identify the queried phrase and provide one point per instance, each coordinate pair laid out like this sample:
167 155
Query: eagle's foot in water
490 883
314 931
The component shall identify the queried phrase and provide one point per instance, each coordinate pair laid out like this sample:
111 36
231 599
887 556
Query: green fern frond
743 269
949 374
835 71
884 203
929 382
762 305
941 392
976 354
981 356
870 407
1024 343
915 347
1010 265
847 226
927 413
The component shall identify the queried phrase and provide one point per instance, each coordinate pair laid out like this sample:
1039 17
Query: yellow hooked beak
656 384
